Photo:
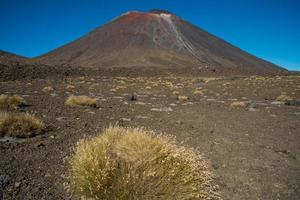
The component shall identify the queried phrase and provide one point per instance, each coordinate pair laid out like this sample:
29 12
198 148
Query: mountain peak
155 39
159 11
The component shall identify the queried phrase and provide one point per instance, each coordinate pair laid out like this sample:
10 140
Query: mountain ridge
11 58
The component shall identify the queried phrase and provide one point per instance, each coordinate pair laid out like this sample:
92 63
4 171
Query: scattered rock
17 184
252 109
166 109
60 118
187 103
4 180
125 119
141 117
297 113
12 139
140 103
133 97
40 144
211 100
54 94
277 103
179 122
293 102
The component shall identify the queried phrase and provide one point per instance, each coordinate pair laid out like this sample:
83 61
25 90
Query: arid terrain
158 71
253 150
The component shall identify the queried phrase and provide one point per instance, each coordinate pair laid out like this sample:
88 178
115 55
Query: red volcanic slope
155 39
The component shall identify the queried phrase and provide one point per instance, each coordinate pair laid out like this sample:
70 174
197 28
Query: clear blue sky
269 29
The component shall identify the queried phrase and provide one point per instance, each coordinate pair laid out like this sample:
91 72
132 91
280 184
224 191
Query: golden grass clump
20 125
182 98
14 101
132 163
175 92
284 97
198 92
48 89
239 104
70 87
81 101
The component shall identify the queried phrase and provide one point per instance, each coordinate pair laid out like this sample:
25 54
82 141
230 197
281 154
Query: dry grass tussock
70 87
239 104
284 97
131 163
198 92
48 89
20 125
182 98
175 92
14 101
81 101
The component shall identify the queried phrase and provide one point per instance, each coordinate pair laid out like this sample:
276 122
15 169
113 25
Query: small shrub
198 92
48 89
20 125
131 163
81 101
175 92
70 87
208 79
239 104
118 87
284 97
13 101
182 98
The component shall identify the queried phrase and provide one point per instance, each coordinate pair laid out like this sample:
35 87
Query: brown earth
253 151
7 58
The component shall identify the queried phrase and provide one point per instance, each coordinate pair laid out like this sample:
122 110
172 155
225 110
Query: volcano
155 39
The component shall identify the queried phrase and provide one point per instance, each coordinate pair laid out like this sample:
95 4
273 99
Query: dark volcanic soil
253 151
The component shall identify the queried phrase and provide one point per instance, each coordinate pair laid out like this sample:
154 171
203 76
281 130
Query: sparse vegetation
48 89
81 101
198 92
70 87
13 101
175 92
131 163
20 125
182 98
208 79
283 97
239 104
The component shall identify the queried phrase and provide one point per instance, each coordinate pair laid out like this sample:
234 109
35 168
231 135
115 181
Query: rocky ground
253 150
